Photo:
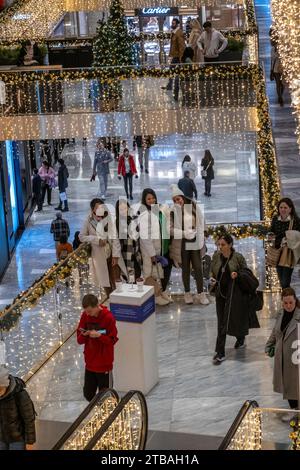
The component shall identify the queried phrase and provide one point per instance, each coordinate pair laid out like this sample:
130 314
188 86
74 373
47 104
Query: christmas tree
113 44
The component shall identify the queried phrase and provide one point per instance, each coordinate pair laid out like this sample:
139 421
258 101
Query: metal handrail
99 398
237 422
114 415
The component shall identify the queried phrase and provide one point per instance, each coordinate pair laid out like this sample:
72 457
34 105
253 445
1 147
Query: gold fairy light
248 434
286 33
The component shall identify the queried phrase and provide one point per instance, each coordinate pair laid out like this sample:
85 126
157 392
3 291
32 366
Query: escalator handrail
97 399
236 423
113 416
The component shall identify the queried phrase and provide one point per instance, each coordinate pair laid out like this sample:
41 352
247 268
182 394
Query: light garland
286 34
249 432
35 19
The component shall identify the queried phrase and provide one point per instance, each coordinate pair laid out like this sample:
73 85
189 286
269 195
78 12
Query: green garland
239 231
59 271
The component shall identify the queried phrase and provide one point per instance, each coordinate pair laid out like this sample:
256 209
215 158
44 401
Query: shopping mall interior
82 83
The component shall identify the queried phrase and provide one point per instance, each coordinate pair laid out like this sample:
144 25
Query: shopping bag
63 196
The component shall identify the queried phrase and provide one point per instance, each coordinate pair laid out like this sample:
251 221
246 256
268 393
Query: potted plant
233 51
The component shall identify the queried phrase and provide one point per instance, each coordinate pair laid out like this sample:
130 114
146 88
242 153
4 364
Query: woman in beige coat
193 41
100 261
282 344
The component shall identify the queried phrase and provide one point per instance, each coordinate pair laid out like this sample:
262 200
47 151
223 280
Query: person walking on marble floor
101 167
47 175
36 190
281 345
207 173
285 219
59 227
17 414
187 243
233 307
127 169
277 72
190 166
63 175
143 144
98 332
187 186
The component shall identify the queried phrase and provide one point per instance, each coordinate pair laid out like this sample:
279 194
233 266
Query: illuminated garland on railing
58 272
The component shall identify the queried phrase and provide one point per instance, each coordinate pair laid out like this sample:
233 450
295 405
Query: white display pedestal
136 362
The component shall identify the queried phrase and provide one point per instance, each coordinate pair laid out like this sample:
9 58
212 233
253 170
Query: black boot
66 209
59 207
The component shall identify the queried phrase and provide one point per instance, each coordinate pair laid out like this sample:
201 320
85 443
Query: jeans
128 180
191 257
144 155
103 177
20 445
94 381
285 276
46 187
207 186
175 60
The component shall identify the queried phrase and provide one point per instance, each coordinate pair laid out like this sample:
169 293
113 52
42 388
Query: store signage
133 313
157 11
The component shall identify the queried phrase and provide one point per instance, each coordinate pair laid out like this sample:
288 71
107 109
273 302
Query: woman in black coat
234 286
17 414
208 171
63 176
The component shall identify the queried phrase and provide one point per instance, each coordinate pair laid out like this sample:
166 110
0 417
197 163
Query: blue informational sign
133 313
12 184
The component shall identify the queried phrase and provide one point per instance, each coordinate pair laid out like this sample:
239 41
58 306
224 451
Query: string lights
286 34
249 433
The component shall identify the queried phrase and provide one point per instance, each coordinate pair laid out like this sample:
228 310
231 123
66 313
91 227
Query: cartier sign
156 11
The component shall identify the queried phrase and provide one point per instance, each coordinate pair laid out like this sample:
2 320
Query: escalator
109 423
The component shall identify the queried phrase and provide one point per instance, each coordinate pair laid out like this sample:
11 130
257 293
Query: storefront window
12 184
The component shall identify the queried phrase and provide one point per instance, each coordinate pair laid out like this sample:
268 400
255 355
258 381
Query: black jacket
188 187
36 185
63 176
210 169
17 414
243 306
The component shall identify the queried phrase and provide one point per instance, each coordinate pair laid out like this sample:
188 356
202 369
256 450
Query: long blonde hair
195 24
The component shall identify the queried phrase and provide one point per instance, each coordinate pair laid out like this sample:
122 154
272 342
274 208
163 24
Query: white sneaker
161 301
166 296
188 298
201 299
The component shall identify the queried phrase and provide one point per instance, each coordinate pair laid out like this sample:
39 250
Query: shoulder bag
204 172
151 281
287 259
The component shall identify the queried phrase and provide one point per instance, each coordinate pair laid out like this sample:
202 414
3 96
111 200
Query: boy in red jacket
97 331
127 169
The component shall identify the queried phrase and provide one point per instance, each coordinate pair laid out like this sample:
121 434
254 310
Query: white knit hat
176 191
4 376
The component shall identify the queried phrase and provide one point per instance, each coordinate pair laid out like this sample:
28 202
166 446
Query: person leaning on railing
281 345
285 219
